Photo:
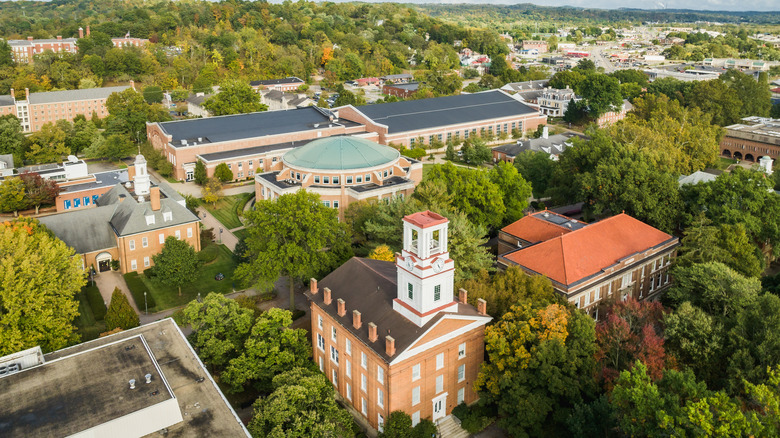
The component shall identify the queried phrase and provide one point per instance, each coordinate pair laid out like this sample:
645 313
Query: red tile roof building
617 257
392 336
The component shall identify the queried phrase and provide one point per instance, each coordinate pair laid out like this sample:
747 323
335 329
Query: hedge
137 289
96 302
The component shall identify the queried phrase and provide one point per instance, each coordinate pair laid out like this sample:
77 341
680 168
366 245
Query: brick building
129 223
400 90
37 109
342 170
539 45
612 117
392 336
616 258
554 102
750 141
23 51
255 142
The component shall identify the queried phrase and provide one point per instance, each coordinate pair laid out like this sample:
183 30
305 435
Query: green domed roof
340 153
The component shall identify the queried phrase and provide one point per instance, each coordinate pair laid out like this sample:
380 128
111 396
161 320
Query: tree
398 425
200 173
113 147
727 244
449 154
39 279
11 137
753 343
508 288
754 94
153 94
223 172
473 193
47 145
382 252
219 328
601 92
540 364
212 191
128 114
12 195
83 135
293 236
39 191
536 167
301 405
176 264
516 190
120 314
716 99
631 331
696 339
271 348
713 287
234 97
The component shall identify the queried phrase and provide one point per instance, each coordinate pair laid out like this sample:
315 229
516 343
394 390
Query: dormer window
167 216
149 219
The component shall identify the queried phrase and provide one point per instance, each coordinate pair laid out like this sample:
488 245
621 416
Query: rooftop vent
140 199
148 378
184 142
128 184
200 139
132 383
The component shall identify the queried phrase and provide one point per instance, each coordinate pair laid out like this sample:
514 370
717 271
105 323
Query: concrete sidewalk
209 221
190 188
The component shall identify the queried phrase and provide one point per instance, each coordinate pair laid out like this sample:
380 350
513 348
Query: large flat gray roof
413 115
69 95
241 126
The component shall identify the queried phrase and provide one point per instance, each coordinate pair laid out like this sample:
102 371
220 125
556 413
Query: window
240 174
178 234
334 377
363 382
189 232
334 355
415 395
626 282
86 201
320 342
162 238
349 368
77 203
462 350
359 179
415 418
349 179
411 143
380 397
273 160
167 216
333 333
335 180
598 294
437 292
319 321
131 244
326 180
439 384
440 361
461 395
146 262
411 291
133 265
316 179
384 174
368 177
335 204
348 347
462 373
144 242
380 374
363 360
349 392
67 204
363 406
322 365
415 372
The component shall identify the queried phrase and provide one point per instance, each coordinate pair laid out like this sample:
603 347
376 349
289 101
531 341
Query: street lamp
146 307
220 234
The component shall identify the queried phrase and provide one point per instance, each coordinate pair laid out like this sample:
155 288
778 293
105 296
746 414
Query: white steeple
141 178
426 274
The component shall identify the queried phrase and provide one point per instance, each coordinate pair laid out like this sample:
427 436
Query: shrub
95 301
298 313
115 265
120 314
223 172
137 289
206 236
473 419
415 153
208 254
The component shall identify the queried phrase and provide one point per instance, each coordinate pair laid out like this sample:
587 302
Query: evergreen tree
200 173
120 314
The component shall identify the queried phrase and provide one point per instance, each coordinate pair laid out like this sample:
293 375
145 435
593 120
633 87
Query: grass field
228 208
723 163
166 297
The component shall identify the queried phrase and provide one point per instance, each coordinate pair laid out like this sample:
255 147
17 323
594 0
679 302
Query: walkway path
190 188
209 221
107 281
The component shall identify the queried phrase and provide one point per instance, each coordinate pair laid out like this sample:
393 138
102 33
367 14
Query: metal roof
341 153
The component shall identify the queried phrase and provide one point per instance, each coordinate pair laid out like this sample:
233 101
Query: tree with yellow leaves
540 365
382 252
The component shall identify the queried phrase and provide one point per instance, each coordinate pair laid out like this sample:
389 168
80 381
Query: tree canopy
120 313
234 97
177 264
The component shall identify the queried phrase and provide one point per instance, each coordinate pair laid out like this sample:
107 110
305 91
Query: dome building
341 170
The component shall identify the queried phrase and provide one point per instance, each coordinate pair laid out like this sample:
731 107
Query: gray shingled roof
8 159
130 215
369 286
413 115
554 145
69 95
198 100
84 230
6 100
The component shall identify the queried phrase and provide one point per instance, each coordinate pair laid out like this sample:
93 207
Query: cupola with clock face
426 273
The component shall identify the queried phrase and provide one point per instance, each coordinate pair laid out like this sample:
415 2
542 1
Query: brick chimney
389 345
87 30
154 198
342 307
13 95
372 332
326 293
462 296
59 37
27 94
130 173
29 38
313 286
482 306
81 32
356 322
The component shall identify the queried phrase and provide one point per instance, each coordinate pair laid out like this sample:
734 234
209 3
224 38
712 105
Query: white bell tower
141 178
426 274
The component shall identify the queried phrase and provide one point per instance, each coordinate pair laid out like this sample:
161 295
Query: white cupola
141 178
426 274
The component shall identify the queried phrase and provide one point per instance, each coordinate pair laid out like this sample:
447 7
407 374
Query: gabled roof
541 226
577 255
369 286
68 95
84 230
553 145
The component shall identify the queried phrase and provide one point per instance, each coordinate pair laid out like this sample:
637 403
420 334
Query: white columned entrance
439 407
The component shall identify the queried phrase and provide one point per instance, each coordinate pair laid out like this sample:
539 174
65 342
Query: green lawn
228 208
427 167
240 234
723 163
166 297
